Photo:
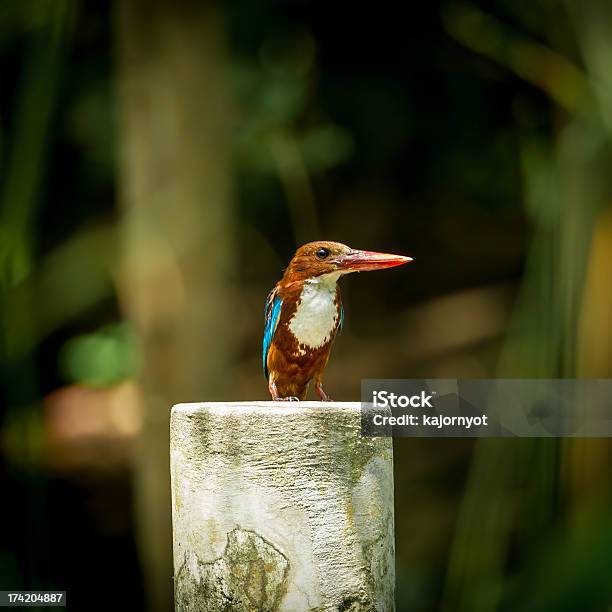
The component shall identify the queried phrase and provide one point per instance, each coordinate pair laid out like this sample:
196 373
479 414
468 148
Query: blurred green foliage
105 357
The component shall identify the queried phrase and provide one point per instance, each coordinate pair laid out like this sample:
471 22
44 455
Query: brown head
324 257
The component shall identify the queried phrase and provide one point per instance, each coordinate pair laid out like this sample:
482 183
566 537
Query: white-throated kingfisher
304 313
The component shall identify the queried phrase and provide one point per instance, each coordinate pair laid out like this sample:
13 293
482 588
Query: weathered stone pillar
280 506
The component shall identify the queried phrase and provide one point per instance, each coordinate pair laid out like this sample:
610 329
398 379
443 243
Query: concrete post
280 506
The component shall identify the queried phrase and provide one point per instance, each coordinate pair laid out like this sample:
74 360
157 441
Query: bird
303 315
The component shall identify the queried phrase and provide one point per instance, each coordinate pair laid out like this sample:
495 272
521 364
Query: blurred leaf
288 54
325 146
562 80
281 101
91 126
19 17
101 359
68 281
275 96
571 571
478 555
27 157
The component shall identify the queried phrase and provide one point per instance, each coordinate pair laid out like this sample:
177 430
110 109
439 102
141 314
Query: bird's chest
316 316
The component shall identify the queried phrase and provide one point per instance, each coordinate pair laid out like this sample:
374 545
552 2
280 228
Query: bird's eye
322 253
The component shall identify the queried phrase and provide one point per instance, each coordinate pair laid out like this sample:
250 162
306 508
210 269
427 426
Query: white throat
316 316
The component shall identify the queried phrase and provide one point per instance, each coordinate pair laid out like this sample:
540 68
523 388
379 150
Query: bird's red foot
322 395
277 398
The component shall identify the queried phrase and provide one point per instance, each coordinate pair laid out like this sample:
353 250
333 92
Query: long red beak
362 261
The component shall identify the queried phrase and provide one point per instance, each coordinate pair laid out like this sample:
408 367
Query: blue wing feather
271 314
341 318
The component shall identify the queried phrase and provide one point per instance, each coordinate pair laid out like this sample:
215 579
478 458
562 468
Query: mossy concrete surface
280 506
